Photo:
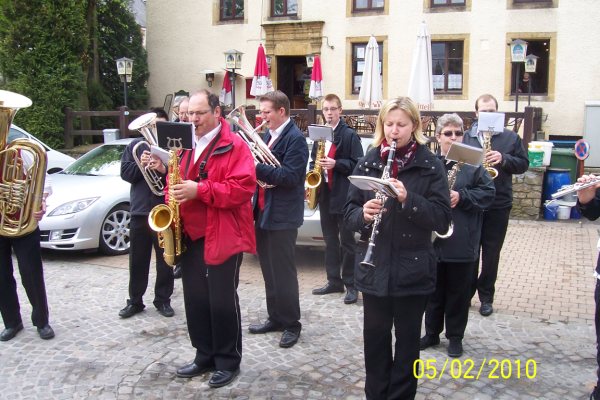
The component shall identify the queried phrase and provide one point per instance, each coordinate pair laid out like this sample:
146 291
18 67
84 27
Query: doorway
293 79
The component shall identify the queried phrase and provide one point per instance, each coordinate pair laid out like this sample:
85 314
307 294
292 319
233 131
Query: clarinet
380 195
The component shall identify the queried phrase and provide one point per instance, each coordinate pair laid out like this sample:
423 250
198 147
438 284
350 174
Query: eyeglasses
449 133
198 113
332 109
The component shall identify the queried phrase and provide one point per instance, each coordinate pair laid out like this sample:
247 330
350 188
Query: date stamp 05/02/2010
492 368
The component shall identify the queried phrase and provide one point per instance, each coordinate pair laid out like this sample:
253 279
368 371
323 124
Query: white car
310 233
56 160
89 205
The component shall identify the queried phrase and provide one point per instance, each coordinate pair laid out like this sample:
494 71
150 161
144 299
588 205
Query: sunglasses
449 133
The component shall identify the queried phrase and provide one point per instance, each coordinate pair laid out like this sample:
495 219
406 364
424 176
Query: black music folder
175 134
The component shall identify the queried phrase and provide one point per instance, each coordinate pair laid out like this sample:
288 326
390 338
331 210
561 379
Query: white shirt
201 143
277 132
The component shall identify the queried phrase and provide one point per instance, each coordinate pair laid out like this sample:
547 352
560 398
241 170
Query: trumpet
565 190
145 124
260 151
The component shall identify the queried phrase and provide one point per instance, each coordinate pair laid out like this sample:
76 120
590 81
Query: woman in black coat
395 291
473 191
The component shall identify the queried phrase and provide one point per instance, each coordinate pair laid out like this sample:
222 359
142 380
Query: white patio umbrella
371 95
420 85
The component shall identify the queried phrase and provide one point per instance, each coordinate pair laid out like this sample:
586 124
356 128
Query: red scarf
403 156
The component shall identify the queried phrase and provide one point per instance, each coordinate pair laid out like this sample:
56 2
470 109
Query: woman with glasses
396 289
472 192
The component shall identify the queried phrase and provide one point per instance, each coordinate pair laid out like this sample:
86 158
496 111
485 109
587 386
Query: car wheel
114 232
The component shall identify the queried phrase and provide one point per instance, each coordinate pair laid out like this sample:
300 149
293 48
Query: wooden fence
363 121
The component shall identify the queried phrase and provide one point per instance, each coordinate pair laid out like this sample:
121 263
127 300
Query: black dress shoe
268 326
455 348
177 272
130 310
486 309
329 288
222 378
351 296
288 339
46 332
429 341
10 333
165 310
191 370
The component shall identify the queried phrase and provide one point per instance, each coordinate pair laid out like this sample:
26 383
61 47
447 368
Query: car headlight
73 207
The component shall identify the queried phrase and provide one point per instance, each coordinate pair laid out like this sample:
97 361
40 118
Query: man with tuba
25 187
279 213
471 192
339 161
142 238
217 183
508 157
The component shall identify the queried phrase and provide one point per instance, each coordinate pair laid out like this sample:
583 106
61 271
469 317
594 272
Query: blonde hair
410 108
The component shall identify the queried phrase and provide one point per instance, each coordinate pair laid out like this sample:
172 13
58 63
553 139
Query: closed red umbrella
261 82
316 80
225 96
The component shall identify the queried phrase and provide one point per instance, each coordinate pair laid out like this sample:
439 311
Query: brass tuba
165 220
313 179
146 125
23 168
487 147
260 151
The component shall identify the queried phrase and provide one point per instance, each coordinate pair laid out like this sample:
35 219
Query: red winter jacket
226 194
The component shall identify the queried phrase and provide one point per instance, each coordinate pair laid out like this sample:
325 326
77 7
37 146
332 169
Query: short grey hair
448 119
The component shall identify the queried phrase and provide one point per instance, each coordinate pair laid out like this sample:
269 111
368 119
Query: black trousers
143 239
212 308
452 298
339 243
276 252
495 224
597 321
27 251
390 376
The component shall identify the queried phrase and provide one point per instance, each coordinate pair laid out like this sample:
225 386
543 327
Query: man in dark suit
508 157
339 161
279 213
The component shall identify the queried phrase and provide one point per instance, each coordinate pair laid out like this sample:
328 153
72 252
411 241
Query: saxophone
21 186
165 219
452 174
313 178
487 147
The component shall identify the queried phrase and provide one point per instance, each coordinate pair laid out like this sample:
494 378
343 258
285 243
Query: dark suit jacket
284 204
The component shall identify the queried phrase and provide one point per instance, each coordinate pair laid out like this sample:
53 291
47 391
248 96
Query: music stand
465 154
175 135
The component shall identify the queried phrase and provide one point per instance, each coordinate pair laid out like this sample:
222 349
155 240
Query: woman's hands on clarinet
401 189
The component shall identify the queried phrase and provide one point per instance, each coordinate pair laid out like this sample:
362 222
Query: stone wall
527 194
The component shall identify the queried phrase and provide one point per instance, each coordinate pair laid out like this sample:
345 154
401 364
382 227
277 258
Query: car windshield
104 160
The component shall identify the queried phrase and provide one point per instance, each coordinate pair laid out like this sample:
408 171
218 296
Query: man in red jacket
217 183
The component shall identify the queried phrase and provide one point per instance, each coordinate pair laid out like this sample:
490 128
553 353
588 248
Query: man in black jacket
279 213
588 202
508 157
143 238
340 159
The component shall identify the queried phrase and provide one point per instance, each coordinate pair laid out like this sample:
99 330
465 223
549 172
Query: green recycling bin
565 158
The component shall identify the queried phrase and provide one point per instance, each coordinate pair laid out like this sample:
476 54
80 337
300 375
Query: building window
284 8
367 5
231 9
437 3
358 64
539 79
447 65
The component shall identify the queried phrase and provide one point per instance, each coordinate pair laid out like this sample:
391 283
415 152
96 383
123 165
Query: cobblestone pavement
539 343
